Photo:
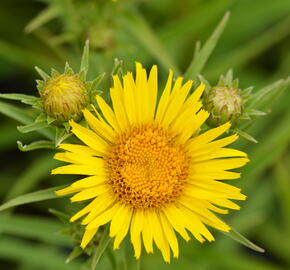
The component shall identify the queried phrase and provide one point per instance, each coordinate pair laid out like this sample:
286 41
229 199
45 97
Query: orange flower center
146 167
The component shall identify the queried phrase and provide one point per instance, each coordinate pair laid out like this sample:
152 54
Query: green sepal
63 217
40 118
76 252
50 119
67 69
61 134
42 74
66 126
35 145
54 72
32 127
235 235
37 105
95 83
118 67
245 135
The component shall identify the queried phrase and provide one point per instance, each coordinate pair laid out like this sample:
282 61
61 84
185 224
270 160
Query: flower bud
64 96
224 103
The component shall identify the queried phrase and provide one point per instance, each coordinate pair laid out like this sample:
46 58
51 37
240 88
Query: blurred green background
255 44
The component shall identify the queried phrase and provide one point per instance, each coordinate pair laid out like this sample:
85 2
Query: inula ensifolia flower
64 96
147 171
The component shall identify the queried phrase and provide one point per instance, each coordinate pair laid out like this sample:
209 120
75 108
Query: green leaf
85 61
235 235
42 18
201 58
105 240
39 228
32 127
139 27
35 145
265 97
41 256
15 113
30 100
36 196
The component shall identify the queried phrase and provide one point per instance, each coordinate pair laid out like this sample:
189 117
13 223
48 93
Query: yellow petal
170 234
164 100
152 91
89 193
76 169
99 127
147 233
124 227
108 113
79 149
158 235
177 99
85 210
88 235
136 227
218 165
117 96
89 182
104 202
217 153
195 226
176 221
89 137
103 218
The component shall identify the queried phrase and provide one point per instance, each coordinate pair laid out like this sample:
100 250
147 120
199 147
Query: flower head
64 96
148 171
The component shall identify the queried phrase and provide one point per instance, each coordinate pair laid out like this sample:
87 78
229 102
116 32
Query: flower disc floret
146 167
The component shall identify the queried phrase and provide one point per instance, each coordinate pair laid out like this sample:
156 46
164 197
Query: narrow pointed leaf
105 240
41 195
35 145
22 116
235 235
32 127
85 60
27 99
15 113
42 18
263 98
200 60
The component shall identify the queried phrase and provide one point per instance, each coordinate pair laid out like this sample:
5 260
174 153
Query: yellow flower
148 171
